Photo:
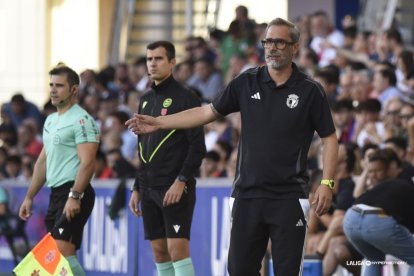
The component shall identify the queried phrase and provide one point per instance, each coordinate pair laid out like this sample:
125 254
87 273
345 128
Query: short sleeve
86 130
227 101
321 115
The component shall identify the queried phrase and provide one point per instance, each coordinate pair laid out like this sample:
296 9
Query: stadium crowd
368 78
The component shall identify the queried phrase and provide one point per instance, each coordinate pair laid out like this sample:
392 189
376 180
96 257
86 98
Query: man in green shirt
66 164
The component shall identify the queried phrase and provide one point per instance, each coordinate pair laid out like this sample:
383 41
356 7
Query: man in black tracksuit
280 109
169 159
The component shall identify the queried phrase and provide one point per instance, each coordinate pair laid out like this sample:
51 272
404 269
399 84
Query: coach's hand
134 203
72 208
26 209
322 199
174 193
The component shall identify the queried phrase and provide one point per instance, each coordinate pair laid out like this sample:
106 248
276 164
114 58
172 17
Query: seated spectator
224 149
362 183
27 141
361 85
183 71
13 167
102 170
369 127
121 167
19 109
3 158
116 123
210 165
238 64
8 136
399 146
308 61
342 201
206 79
384 83
343 116
405 65
328 77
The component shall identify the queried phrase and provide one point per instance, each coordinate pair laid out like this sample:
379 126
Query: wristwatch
75 195
328 182
182 178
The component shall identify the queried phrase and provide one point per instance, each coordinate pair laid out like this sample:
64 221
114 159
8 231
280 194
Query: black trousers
254 221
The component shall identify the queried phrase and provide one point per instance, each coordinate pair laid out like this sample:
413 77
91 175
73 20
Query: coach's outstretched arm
190 118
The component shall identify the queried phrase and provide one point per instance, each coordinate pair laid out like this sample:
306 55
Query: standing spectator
247 25
169 160
278 126
19 109
321 30
66 164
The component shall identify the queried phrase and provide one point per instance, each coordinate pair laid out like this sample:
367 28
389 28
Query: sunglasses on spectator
279 43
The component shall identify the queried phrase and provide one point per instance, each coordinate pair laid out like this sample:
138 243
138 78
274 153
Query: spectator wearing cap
19 109
343 115
369 128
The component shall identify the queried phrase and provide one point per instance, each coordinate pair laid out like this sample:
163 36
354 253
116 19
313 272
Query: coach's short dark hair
168 46
62 69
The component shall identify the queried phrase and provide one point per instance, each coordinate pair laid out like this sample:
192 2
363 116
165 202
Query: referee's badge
56 139
292 100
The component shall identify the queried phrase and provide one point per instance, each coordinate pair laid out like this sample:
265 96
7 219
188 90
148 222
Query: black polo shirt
278 123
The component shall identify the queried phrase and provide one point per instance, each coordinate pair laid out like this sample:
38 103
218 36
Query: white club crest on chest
292 100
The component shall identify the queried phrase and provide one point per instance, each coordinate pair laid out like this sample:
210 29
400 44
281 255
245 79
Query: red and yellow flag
44 259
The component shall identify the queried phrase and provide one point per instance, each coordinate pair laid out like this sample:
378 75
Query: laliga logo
292 100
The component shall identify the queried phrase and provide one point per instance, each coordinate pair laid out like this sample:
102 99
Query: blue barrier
118 247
